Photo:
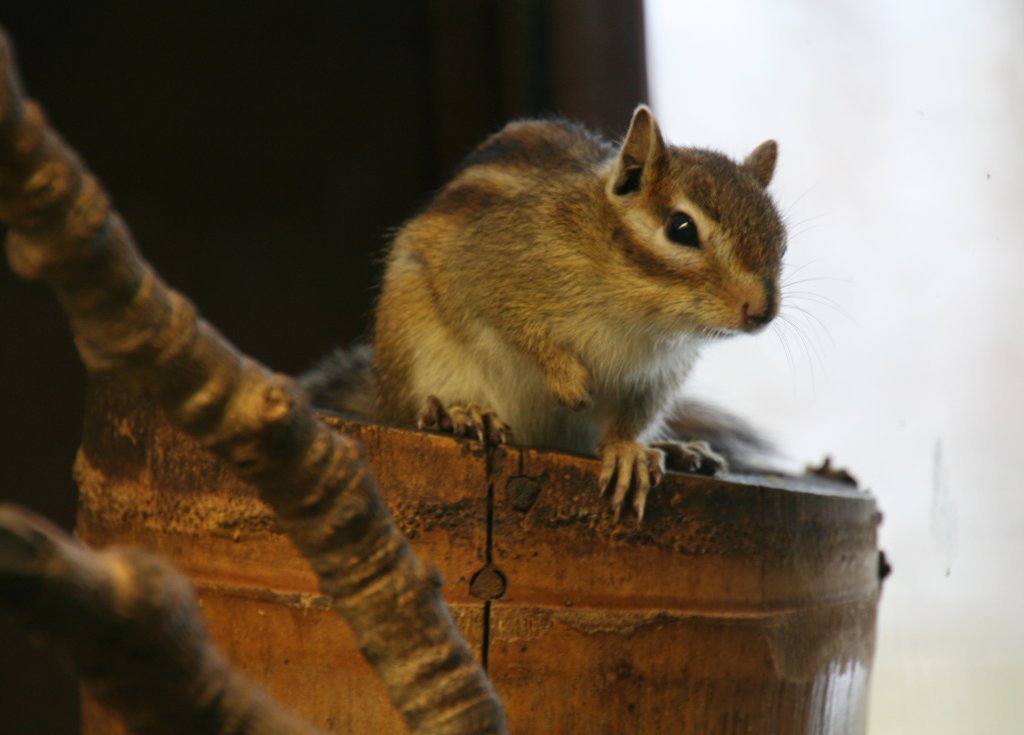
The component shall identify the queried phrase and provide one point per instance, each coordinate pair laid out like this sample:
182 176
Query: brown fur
540 282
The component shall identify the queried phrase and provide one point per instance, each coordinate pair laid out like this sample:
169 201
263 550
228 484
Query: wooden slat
741 604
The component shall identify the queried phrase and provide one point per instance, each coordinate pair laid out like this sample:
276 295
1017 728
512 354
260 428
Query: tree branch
63 232
130 625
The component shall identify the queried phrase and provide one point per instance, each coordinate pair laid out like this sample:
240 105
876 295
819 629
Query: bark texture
129 624
64 232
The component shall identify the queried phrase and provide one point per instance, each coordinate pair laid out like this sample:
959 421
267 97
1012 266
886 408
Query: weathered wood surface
742 605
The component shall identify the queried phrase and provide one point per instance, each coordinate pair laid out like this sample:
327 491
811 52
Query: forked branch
129 624
64 232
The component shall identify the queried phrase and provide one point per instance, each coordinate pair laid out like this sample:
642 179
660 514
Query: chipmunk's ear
642 146
761 162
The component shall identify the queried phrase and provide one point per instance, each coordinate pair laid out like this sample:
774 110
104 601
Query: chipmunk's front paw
693 456
570 383
631 466
468 421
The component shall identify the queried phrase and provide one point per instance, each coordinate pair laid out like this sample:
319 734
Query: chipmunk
558 291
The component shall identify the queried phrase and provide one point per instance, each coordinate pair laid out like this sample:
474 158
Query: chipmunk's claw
633 467
433 416
468 421
692 456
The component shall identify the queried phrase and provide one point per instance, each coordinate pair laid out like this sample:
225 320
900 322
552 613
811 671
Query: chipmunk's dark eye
683 230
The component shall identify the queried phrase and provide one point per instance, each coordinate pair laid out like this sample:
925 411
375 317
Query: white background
901 174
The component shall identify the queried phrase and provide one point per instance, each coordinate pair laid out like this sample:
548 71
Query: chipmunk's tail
743 446
344 381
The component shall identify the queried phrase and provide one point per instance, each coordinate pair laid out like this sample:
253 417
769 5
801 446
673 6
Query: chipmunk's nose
757 312
759 304
754 317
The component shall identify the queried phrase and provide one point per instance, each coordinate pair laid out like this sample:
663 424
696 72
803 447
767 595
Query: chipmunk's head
701 238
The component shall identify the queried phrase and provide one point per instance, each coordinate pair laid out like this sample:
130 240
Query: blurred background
261 154
901 353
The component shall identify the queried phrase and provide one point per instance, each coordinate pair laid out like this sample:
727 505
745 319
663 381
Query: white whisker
812 317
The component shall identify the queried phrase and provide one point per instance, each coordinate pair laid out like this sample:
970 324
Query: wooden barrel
741 605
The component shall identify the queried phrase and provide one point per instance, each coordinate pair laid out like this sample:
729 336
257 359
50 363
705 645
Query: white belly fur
487 371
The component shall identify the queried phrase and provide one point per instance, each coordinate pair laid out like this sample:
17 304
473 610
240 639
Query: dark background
261 154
